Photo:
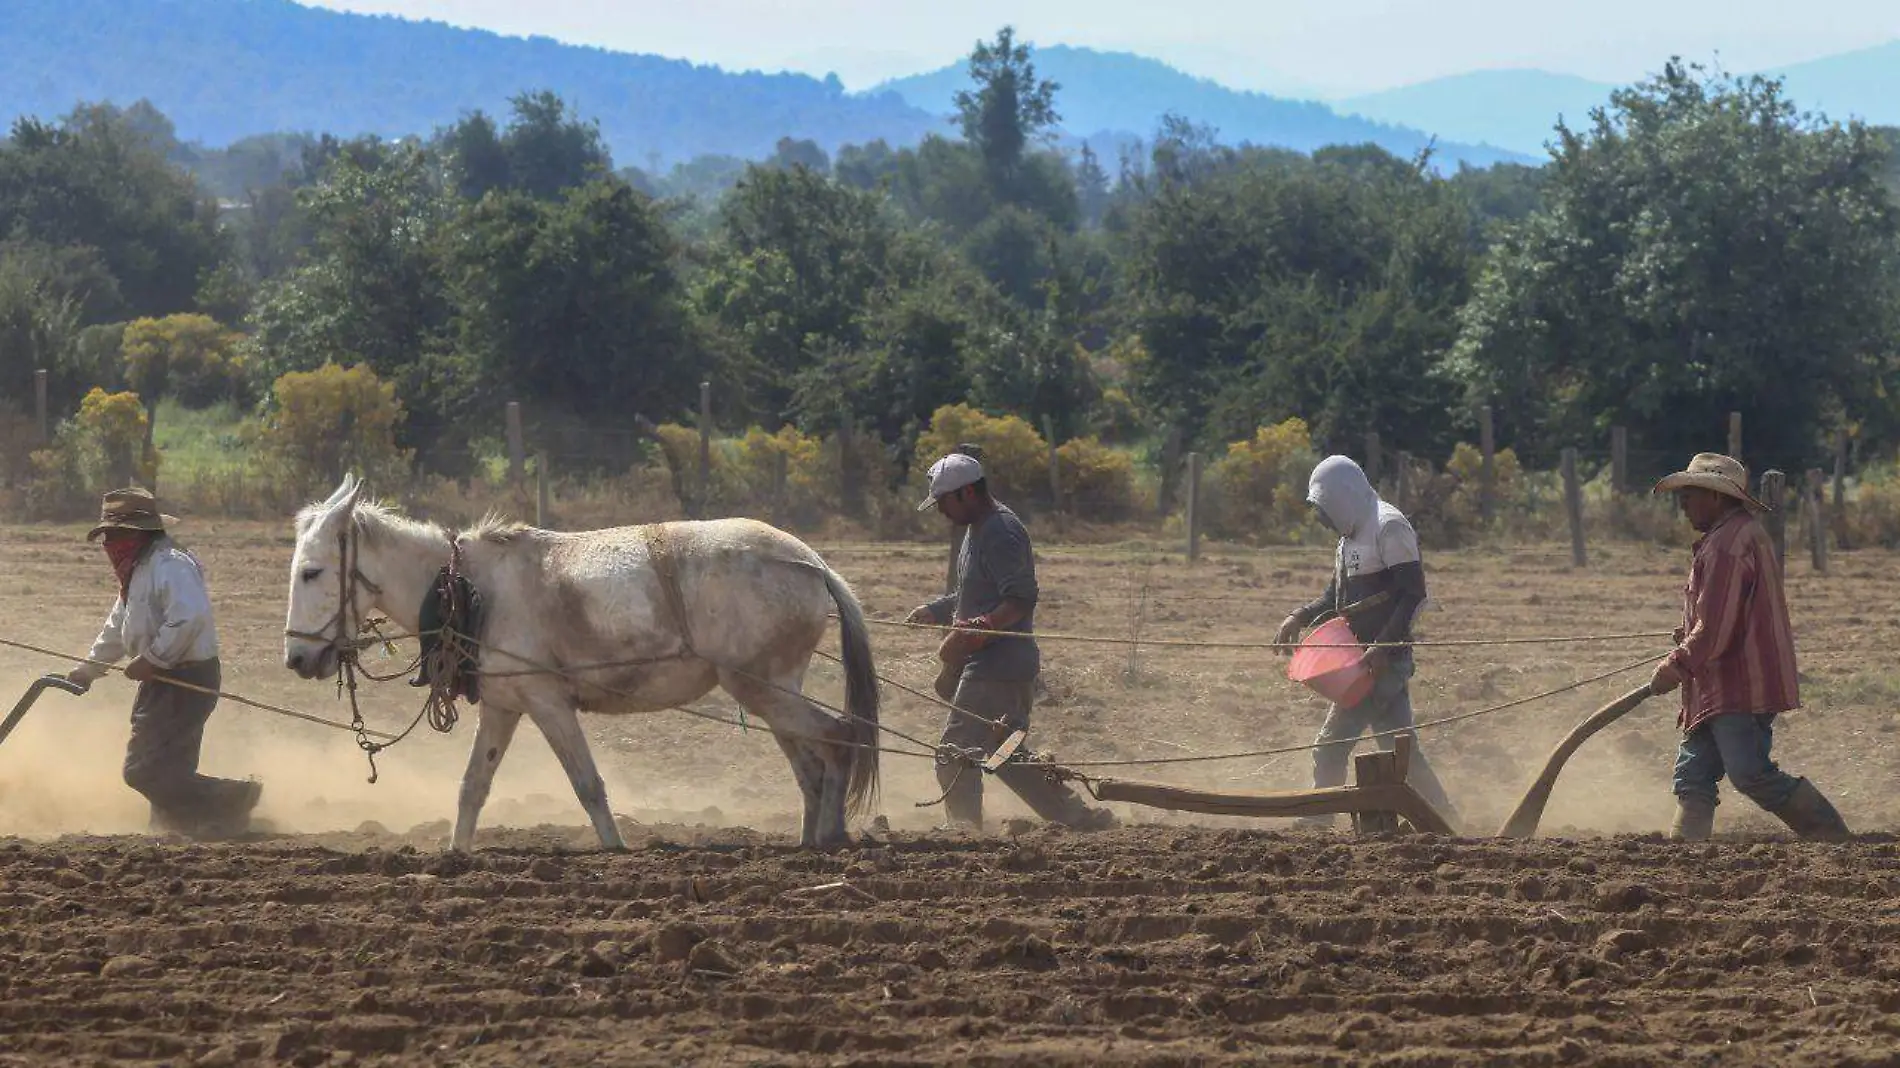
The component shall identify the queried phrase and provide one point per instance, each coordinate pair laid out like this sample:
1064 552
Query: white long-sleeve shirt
164 616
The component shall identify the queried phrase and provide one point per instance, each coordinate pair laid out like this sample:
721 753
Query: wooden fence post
1487 445
1402 480
1619 459
1774 494
1573 504
1055 464
1194 507
517 449
1373 458
1817 519
1840 490
39 405
542 514
1735 435
705 449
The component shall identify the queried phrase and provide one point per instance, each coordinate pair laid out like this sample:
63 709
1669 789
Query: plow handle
57 682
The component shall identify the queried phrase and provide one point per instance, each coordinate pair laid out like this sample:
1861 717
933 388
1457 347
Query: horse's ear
352 492
342 490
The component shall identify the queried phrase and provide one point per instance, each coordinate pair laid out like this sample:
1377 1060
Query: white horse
630 619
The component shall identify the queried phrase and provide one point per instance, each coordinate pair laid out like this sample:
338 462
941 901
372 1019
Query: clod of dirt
547 870
710 956
1619 896
674 941
1617 943
130 967
1029 952
602 961
372 829
1531 888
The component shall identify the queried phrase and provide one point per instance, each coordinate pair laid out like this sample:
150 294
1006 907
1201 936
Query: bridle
344 622
339 634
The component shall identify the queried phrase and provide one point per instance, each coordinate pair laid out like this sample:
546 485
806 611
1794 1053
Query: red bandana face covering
124 552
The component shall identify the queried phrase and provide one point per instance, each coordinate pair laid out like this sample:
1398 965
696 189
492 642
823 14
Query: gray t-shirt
996 563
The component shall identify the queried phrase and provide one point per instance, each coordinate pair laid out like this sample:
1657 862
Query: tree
799 261
1703 247
370 285
188 356
1091 187
1272 286
99 180
1008 108
320 424
544 151
573 303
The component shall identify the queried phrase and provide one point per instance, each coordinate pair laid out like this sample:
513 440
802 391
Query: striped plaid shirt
1736 653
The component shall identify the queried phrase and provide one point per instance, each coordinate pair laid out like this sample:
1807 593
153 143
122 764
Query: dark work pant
1006 702
161 760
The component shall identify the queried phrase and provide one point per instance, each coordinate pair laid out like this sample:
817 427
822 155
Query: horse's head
318 625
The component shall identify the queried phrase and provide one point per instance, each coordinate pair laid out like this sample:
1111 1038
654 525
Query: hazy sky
1315 47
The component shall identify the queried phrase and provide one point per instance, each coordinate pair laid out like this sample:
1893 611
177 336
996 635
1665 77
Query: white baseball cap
949 475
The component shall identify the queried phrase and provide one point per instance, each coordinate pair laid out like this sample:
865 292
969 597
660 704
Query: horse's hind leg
809 771
493 732
561 725
815 761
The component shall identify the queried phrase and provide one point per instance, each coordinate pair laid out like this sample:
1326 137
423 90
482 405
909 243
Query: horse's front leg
493 731
561 725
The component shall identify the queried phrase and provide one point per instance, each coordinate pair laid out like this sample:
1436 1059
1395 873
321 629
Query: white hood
1339 488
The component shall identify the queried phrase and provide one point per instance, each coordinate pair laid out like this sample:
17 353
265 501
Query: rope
1183 643
1284 750
181 684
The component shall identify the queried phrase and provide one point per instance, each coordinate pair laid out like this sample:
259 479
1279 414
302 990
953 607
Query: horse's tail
860 693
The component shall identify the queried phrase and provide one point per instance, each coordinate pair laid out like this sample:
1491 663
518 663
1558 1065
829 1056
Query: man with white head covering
1733 660
993 675
1379 586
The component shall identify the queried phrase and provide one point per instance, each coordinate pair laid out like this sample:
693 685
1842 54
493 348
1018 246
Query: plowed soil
329 938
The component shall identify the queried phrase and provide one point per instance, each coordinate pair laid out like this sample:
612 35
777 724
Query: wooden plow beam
1377 800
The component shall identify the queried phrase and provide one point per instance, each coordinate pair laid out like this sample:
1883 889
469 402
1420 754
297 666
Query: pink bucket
1334 673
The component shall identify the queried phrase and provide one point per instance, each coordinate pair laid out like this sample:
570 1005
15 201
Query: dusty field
337 939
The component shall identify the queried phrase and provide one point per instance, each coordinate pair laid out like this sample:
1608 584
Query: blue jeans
1387 708
1736 744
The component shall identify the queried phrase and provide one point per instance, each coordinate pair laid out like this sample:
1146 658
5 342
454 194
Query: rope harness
446 662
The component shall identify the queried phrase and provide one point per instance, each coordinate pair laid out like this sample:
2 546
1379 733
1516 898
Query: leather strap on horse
450 629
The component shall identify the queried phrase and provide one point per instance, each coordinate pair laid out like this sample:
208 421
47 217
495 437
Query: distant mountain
1860 85
1119 93
1515 109
224 69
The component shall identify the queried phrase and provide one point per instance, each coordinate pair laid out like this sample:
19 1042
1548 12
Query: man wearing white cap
994 675
1733 660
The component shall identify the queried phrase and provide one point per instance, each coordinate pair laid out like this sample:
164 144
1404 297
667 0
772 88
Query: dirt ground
345 935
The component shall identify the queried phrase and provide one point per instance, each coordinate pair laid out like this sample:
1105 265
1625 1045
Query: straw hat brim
1717 483
154 524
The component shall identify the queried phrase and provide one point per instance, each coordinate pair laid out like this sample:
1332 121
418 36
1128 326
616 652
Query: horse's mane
375 518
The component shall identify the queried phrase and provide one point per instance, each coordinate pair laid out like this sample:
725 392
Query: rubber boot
1695 818
1809 814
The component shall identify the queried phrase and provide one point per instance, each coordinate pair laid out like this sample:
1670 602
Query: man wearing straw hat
163 620
991 675
1734 660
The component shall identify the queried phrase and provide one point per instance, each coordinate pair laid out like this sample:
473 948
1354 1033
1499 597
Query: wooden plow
1377 801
